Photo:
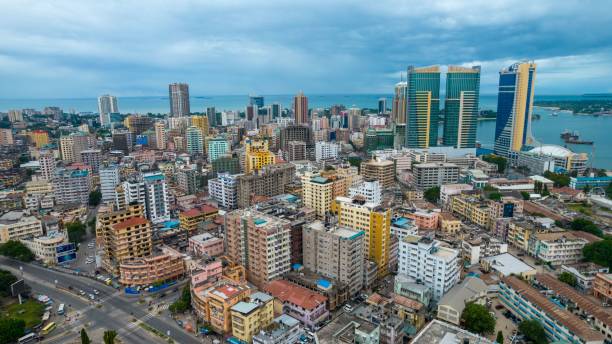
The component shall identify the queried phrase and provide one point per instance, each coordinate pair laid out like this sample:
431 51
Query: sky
73 49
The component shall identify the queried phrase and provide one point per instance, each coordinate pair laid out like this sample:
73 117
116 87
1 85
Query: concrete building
435 174
52 248
40 138
480 246
165 265
213 304
326 150
15 225
269 182
205 245
217 148
151 191
195 140
559 324
425 260
193 219
381 170
449 190
179 99
602 287
438 331
109 179
334 252
92 157
107 105
371 191
71 186
6 137
298 302
47 165
224 190
300 108
283 330
257 155
250 317
585 274
187 179
348 328
248 234
506 264
317 192
450 307
557 248
296 151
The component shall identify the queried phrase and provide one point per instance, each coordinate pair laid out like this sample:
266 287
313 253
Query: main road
116 311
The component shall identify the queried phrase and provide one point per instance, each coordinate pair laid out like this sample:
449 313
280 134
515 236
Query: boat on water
555 114
573 138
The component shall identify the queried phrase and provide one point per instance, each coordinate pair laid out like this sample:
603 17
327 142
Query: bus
27 338
60 309
47 329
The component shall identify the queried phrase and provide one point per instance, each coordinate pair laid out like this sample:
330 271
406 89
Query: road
116 310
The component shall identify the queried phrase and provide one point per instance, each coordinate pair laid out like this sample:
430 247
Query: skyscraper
423 106
179 99
461 106
160 135
300 108
514 108
398 108
256 101
211 113
107 105
382 106
195 141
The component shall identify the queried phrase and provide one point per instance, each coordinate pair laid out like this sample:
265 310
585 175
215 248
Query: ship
573 138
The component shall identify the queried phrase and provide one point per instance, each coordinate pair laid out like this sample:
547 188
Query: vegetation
609 191
17 250
490 188
599 252
432 194
30 312
487 114
11 330
476 318
183 303
580 224
525 195
501 162
568 278
541 188
587 106
95 197
109 336
496 196
6 279
533 331
76 231
500 337
84 337
582 208
355 161
558 179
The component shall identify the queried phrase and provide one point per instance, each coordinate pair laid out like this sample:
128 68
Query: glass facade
461 106
423 107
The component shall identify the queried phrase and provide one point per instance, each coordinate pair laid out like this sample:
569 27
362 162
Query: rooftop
508 264
295 294
342 329
245 307
460 293
132 221
438 332
227 291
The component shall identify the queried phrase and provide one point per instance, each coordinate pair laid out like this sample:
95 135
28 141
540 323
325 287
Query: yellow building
519 232
201 122
472 209
248 318
317 192
257 155
374 221
40 138
213 304
449 224
195 217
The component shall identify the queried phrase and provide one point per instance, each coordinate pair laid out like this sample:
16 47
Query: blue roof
324 283
296 266
172 224
153 177
259 221
319 180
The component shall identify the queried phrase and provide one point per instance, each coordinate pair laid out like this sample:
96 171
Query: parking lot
502 322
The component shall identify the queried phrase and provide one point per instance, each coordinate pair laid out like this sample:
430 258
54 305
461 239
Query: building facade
461 106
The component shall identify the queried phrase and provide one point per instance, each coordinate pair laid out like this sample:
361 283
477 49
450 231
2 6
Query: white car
95 291
348 308
81 292
92 296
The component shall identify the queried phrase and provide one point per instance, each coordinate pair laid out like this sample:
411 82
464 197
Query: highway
116 311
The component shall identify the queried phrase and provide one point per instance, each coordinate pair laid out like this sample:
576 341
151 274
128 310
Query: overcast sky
54 49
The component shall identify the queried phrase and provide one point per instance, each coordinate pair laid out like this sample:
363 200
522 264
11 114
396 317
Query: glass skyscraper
514 108
461 106
423 106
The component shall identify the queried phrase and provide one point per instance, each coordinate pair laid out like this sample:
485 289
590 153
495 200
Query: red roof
205 209
132 221
295 294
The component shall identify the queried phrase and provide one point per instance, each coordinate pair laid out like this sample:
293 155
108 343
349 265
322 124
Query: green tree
545 191
6 279
581 224
11 329
432 194
599 252
525 195
496 196
501 162
76 231
84 337
558 179
568 278
500 337
109 337
533 331
15 249
476 318
95 197
183 303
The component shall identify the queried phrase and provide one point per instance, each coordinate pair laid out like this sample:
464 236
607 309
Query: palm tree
109 336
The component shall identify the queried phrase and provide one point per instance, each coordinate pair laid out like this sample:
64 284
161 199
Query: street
113 310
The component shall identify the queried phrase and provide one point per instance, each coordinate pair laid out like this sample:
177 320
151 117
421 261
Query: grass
581 208
156 332
31 312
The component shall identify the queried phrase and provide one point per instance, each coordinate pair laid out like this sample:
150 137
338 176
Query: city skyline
278 54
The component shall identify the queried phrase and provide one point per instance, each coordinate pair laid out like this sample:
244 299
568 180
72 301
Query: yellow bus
47 329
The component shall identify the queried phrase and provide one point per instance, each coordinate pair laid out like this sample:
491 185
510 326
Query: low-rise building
506 264
429 175
585 274
557 248
16 225
205 245
347 328
381 170
438 331
249 317
481 245
301 303
424 219
449 190
52 248
449 224
450 307
283 330
409 288
602 287
213 304
193 219
163 265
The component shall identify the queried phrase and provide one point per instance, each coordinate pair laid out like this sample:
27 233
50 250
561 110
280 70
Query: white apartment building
195 140
45 247
71 186
224 189
429 263
109 179
557 248
91 157
15 225
435 174
449 190
371 191
151 191
326 150
47 165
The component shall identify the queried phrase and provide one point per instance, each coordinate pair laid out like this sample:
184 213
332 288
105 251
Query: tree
95 197
476 318
11 329
558 179
599 252
545 191
568 278
496 196
432 194
500 337
183 303
6 279
525 195
109 336
15 249
76 231
533 331
501 162
581 224
84 337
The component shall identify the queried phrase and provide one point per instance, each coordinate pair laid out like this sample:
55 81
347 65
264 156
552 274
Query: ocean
546 130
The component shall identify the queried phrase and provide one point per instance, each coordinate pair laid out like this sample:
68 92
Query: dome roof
552 150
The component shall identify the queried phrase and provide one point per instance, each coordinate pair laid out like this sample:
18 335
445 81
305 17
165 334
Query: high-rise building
296 151
256 101
426 260
71 146
187 180
461 106
122 141
179 99
217 147
317 192
195 141
40 138
514 108
435 174
224 190
334 252
249 233
109 179
300 108
47 165
6 137
92 157
382 106
398 108
161 139
375 221
202 123
138 124
370 191
71 186
295 133
149 190
211 113
269 181
257 155
276 110
326 150
381 170
423 106
15 116
107 105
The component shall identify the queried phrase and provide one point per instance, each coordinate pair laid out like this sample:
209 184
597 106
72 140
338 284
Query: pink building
205 272
303 304
206 244
424 219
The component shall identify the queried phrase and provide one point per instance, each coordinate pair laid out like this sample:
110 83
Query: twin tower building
416 104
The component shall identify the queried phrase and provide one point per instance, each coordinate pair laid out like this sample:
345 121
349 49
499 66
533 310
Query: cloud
74 48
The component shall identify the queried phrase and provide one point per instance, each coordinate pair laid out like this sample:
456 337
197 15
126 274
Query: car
348 308
180 323
96 292
81 292
92 296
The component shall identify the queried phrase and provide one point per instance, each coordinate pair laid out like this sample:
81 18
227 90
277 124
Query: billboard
65 253
18 287
65 248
